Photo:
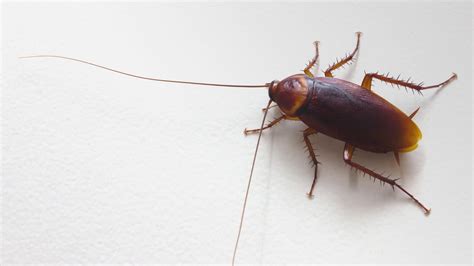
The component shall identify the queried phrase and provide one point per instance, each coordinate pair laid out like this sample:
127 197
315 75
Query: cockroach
334 107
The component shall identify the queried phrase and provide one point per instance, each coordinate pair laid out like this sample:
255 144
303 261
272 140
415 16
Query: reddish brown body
348 112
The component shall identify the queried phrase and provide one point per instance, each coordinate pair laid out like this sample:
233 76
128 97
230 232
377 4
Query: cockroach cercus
334 107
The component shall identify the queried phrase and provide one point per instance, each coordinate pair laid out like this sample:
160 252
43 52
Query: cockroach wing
351 113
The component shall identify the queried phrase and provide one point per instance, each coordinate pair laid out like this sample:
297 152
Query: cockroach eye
272 88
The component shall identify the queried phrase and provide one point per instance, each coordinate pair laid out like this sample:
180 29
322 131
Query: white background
103 168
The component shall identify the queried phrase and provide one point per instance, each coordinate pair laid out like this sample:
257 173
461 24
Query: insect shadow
286 139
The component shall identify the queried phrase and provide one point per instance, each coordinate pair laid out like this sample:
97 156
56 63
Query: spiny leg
308 132
367 82
312 62
272 123
349 150
346 60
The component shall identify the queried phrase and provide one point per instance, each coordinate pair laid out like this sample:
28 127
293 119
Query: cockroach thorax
290 94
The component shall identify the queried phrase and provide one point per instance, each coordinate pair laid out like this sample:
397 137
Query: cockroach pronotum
334 107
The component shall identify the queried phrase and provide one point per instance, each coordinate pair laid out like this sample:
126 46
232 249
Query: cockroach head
290 94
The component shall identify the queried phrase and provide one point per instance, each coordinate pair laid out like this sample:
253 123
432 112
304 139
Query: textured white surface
102 168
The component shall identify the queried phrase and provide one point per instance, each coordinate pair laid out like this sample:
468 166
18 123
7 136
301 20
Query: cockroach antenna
266 85
249 183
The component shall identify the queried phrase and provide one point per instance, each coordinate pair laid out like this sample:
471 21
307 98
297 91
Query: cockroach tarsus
334 107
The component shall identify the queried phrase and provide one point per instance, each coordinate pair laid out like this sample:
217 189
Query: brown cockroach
334 107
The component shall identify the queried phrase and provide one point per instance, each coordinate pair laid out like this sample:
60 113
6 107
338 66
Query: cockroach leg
265 109
414 113
308 132
312 62
272 123
346 60
367 82
348 152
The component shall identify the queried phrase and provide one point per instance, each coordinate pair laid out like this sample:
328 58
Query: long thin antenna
147 78
248 185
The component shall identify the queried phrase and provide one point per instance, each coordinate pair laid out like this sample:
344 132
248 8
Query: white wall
103 168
